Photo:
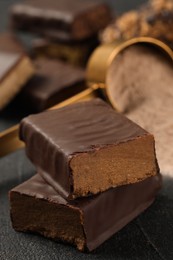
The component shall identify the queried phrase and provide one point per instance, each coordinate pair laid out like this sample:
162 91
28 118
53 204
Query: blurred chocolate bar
15 70
75 53
54 81
69 29
154 19
10 43
61 20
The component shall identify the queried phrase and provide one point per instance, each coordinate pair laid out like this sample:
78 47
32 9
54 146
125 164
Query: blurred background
9 117
118 5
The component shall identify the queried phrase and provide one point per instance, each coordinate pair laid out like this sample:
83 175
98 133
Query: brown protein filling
113 166
65 223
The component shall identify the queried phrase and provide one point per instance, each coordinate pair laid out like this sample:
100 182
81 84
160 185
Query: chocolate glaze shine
81 127
113 208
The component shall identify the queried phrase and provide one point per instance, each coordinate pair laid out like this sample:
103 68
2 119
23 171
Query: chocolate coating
81 127
100 216
53 138
54 82
64 20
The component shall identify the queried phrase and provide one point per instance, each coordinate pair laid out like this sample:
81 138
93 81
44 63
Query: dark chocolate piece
87 222
75 53
15 70
62 19
86 148
10 43
54 82
154 19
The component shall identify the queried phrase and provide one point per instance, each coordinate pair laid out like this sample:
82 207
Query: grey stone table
150 236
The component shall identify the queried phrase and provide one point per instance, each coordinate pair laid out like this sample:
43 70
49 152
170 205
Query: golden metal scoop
97 70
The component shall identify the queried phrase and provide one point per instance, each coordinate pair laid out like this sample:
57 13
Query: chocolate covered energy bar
53 82
87 148
62 20
15 70
87 222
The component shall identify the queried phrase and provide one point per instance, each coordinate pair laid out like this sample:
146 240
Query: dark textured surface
149 237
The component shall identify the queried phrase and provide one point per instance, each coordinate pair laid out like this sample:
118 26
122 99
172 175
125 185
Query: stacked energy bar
96 171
